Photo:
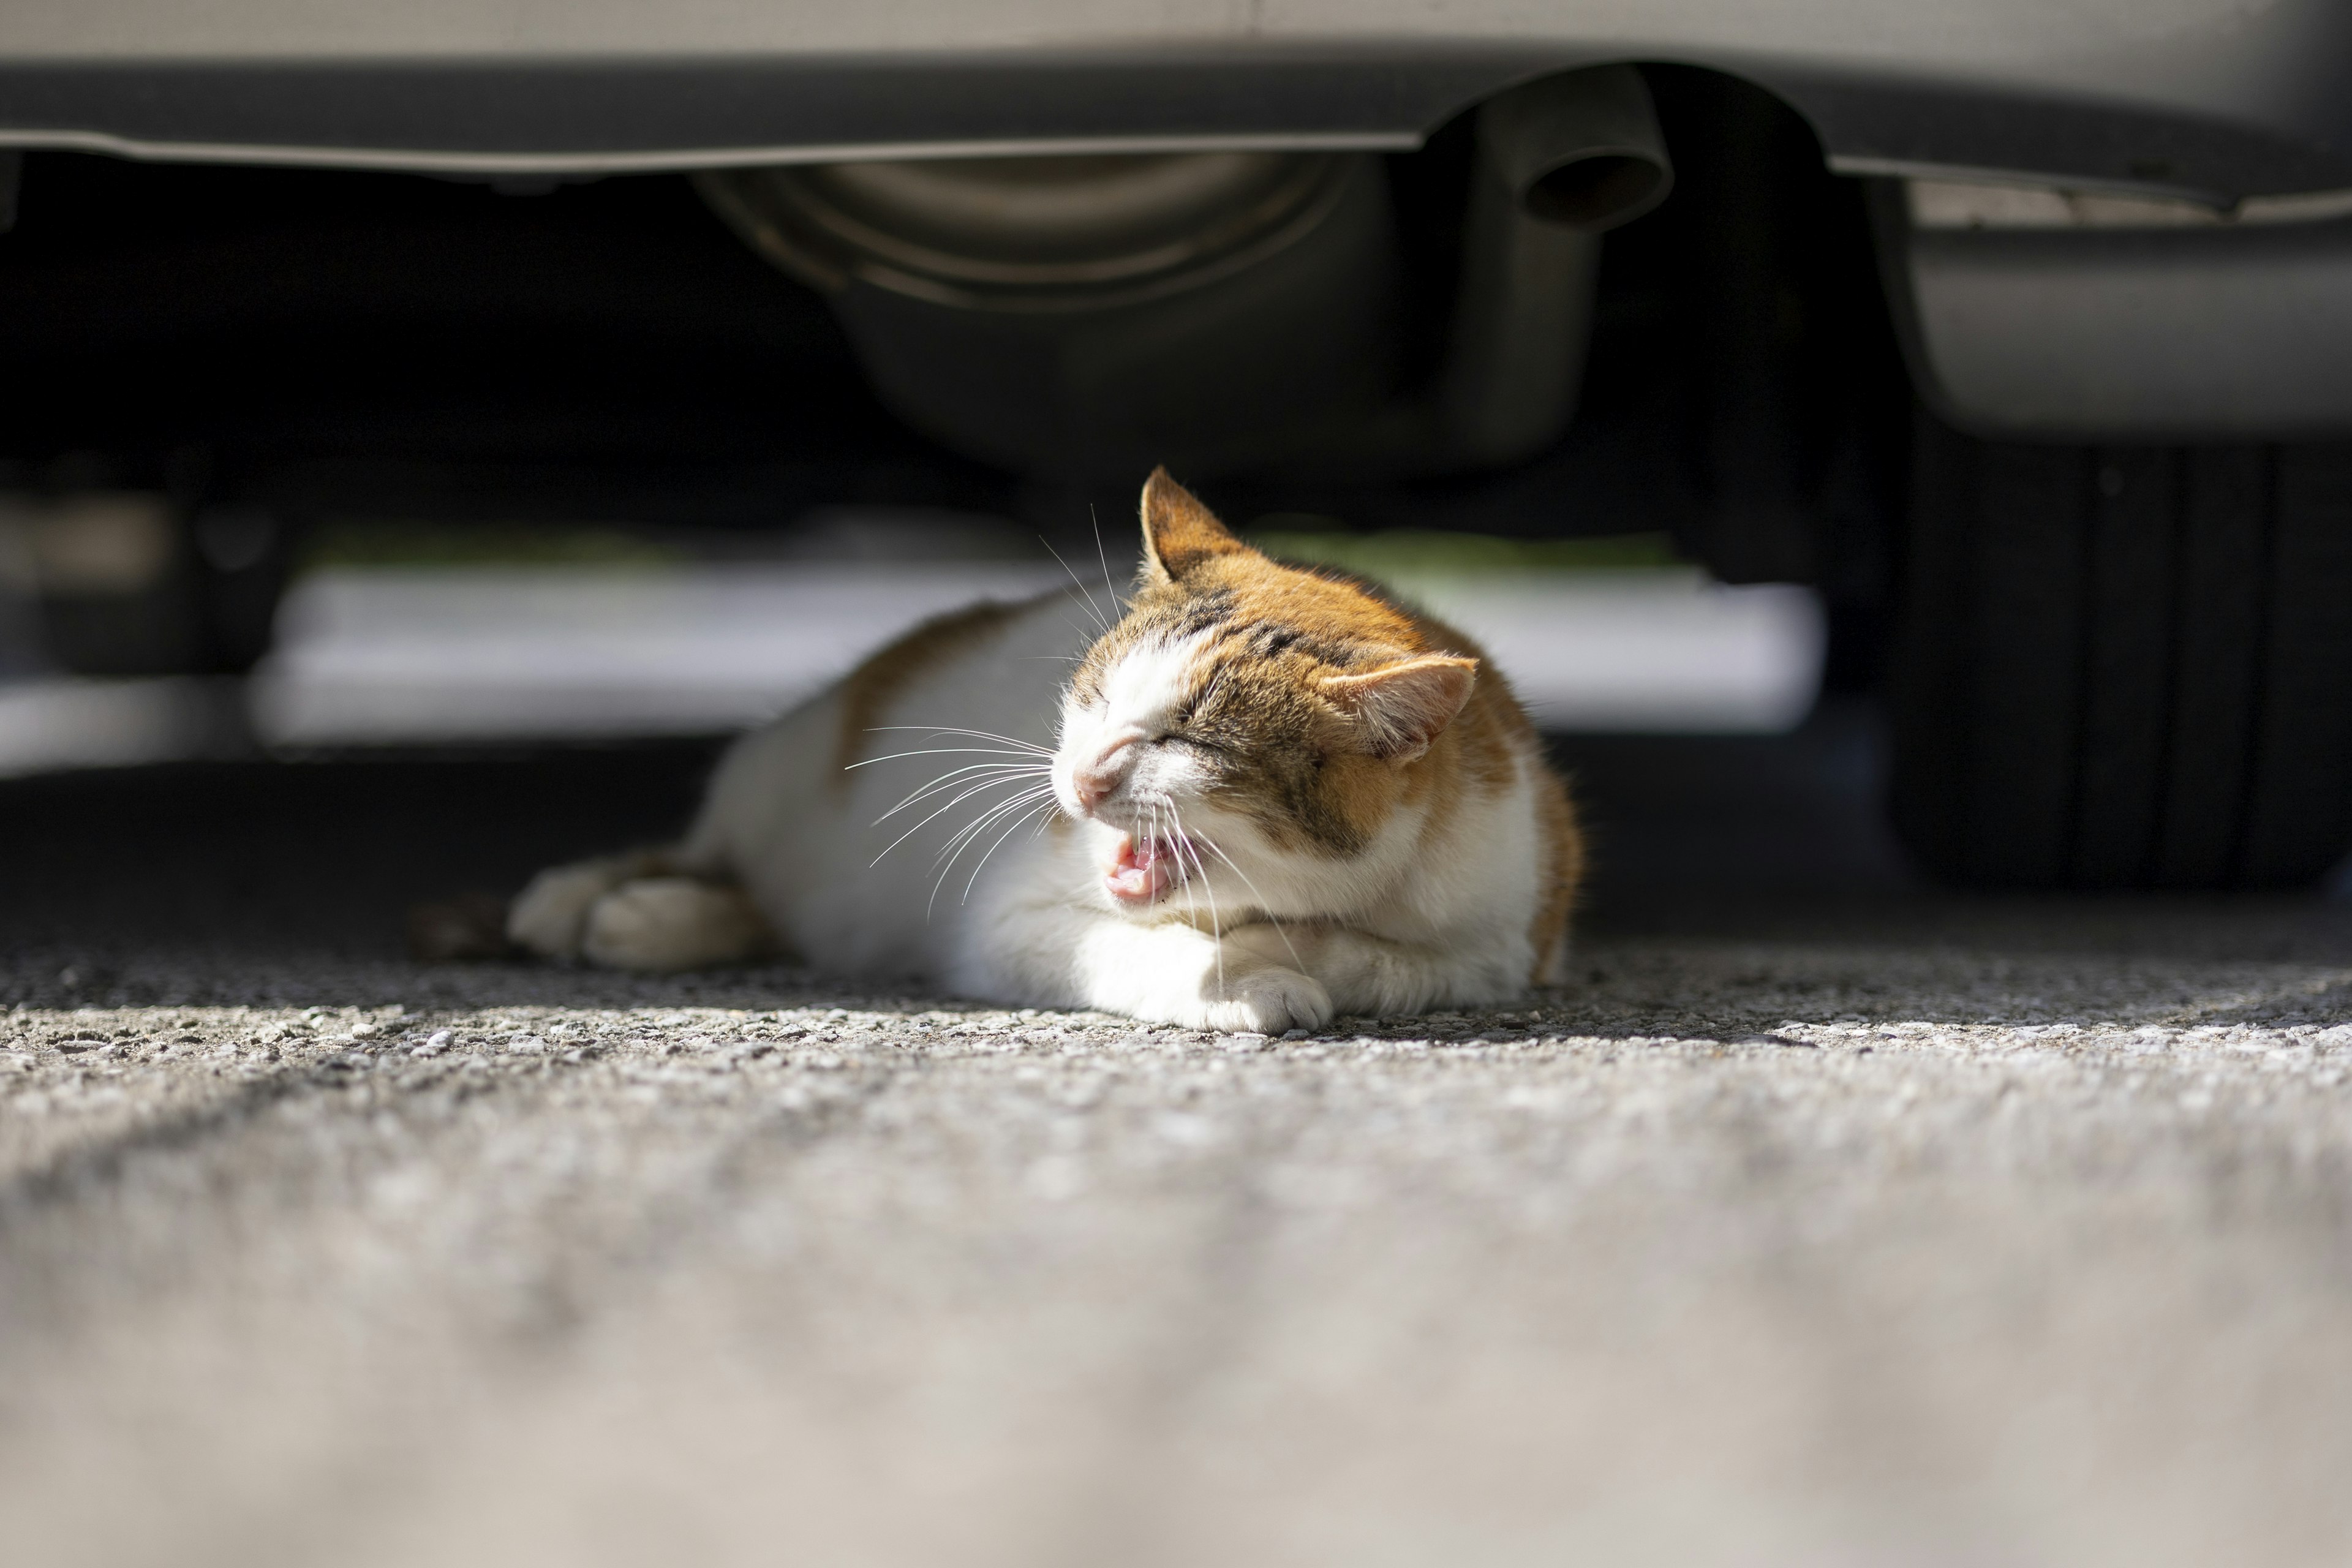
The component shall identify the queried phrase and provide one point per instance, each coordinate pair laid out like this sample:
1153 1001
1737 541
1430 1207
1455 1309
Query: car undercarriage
2021 338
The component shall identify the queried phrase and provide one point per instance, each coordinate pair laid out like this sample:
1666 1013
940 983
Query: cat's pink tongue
1141 871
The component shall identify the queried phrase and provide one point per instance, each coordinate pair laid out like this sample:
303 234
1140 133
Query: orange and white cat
1266 795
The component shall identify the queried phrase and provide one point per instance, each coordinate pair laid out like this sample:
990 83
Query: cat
1266 795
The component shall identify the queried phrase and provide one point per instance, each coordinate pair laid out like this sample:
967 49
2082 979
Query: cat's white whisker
950 805
1216 918
954 730
966 834
1271 919
1021 764
965 838
1191 906
969 787
1092 608
1005 769
1152 828
999 771
936 752
1100 554
939 883
1029 791
1182 842
973 880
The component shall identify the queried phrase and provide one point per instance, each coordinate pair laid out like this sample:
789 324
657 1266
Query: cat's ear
1179 532
1398 708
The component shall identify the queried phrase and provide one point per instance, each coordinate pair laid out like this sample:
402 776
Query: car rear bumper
2191 95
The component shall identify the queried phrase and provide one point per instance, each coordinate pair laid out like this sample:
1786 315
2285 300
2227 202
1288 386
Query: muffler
1081 318
1087 317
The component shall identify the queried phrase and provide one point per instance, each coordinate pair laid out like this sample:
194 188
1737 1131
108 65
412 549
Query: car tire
2124 666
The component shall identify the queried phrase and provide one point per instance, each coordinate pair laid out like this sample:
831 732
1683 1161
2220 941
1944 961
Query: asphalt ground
1824 1218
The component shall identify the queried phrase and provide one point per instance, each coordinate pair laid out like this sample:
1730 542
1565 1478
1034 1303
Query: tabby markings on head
1301 697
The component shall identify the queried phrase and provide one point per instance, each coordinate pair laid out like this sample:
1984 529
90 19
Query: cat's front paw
673 922
1269 1001
549 917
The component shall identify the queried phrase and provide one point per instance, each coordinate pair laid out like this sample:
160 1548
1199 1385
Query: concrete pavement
1823 1219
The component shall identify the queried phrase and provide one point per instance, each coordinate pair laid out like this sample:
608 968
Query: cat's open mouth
1144 869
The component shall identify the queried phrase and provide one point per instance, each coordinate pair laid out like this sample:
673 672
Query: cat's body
1263 796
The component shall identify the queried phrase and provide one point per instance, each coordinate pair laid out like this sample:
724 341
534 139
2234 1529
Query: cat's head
1250 733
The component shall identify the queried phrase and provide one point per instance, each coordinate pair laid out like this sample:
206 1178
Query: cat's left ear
1398 708
1179 532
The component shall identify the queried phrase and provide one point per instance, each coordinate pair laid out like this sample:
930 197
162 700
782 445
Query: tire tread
2124 667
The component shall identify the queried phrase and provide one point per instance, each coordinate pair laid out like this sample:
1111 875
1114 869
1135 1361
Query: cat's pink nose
1095 781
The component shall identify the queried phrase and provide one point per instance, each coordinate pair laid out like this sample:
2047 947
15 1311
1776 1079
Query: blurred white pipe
376 656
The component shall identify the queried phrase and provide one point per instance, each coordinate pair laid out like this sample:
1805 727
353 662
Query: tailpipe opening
1581 150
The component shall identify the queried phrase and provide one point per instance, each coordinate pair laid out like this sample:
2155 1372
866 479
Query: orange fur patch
1563 852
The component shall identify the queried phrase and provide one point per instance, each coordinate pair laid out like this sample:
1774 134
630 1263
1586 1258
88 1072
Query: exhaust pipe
1559 163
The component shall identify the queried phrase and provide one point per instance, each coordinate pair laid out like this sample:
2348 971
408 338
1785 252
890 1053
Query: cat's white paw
673 922
550 915
1268 1002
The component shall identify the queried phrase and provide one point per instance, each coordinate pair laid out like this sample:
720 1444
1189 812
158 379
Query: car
2023 332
